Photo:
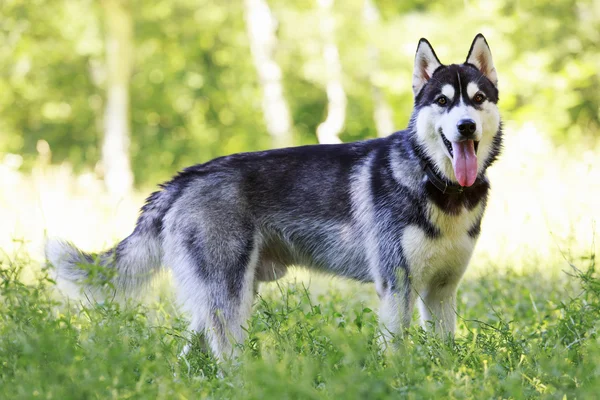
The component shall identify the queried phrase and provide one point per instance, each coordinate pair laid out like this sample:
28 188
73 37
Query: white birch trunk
382 112
261 26
329 130
118 176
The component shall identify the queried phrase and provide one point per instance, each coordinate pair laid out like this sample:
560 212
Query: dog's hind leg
213 258
190 292
197 331
219 302
229 306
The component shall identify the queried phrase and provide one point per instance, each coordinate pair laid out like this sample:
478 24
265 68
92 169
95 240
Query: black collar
442 184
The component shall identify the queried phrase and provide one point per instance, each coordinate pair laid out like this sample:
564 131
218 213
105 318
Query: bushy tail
129 266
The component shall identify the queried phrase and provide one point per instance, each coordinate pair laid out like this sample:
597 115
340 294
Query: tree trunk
261 26
382 112
118 176
329 130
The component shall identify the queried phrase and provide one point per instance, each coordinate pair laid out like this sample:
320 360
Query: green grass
528 335
527 319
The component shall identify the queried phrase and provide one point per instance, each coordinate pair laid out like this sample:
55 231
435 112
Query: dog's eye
442 101
479 98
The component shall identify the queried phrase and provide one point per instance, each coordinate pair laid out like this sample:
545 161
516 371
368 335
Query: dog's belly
338 252
439 260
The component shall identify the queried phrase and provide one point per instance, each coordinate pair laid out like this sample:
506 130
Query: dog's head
456 115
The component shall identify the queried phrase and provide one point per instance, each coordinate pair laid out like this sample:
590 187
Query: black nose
466 127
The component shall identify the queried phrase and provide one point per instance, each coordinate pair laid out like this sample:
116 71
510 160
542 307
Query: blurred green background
195 93
527 327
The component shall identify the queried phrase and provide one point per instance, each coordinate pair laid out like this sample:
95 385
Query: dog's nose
466 127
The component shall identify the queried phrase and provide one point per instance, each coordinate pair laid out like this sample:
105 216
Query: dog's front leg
437 306
397 304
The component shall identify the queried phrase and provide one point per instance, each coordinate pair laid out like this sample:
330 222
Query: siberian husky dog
403 212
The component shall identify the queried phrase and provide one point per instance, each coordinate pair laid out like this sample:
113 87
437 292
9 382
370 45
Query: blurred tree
329 130
262 26
46 90
382 113
118 176
195 92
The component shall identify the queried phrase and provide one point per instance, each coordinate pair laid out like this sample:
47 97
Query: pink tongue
464 162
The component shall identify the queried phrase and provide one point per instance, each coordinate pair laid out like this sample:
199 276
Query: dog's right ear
426 62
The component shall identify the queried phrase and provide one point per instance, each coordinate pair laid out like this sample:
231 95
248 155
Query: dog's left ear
481 57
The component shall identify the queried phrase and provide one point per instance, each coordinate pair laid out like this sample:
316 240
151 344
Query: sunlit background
102 100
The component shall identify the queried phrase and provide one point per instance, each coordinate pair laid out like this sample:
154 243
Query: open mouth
464 159
448 144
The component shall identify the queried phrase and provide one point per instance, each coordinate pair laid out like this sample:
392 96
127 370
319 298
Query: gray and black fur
366 210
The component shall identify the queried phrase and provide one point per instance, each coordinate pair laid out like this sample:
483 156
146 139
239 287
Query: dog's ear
426 62
481 57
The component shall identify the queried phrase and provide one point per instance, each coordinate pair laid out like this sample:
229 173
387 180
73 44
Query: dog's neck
441 183
439 180
449 196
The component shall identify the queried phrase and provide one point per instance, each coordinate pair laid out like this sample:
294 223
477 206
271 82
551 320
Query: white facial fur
431 118
472 89
448 91
448 121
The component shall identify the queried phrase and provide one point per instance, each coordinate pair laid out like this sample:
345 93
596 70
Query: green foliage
46 86
520 336
195 93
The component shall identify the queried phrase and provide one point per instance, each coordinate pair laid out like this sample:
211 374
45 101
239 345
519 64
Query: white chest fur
445 257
